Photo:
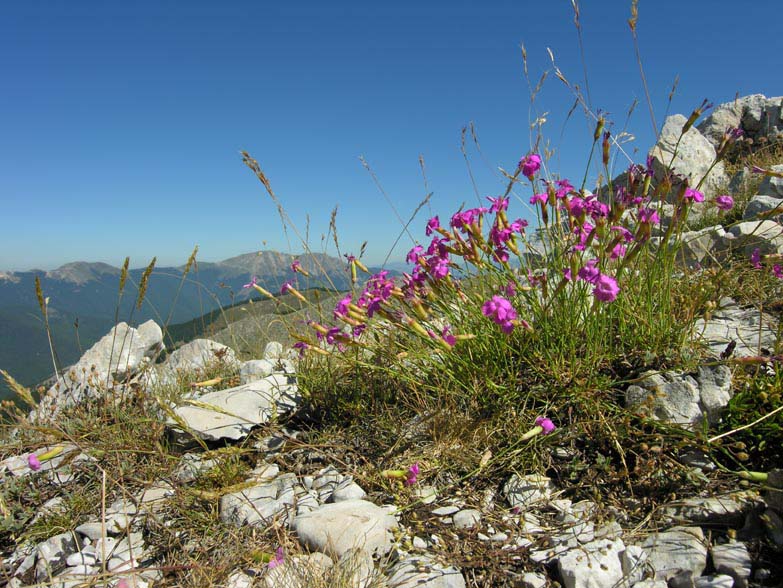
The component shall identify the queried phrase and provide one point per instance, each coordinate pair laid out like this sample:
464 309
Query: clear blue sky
121 122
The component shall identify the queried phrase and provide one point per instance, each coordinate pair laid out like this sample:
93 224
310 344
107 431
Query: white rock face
524 491
756 115
119 355
232 413
676 550
594 565
765 207
424 572
199 353
261 504
681 398
734 560
334 529
747 327
772 186
764 235
693 156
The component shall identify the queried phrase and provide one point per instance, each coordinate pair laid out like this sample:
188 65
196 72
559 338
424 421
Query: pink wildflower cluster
755 261
500 310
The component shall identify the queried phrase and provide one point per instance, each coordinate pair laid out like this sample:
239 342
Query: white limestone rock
521 492
733 559
722 510
683 399
690 155
119 355
260 504
466 518
198 354
764 207
424 572
771 185
676 550
334 529
234 412
750 329
745 237
594 565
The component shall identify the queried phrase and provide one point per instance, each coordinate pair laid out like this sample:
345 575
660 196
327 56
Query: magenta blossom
755 258
342 306
547 426
278 559
34 462
414 254
695 195
296 265
500 310
287 285
413 474
649 216
777 270
606 288
301 347
251 283
529 165
542 198
590 272
724 202
498 203
432 225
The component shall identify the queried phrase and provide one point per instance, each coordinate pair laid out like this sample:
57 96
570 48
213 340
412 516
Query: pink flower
518 226
606 288
777 270
34 462
498 203
529 165
286 286
342 306
500 310
755 258
251 283
546 425
278 559
414 254
695 195
542 198
301 346
649 216
724 202
618 251
413 474
432 225
589 273
296 265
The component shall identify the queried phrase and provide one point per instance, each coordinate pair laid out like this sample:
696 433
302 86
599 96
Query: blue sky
121 122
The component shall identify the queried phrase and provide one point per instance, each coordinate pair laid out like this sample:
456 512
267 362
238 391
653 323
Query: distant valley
86 294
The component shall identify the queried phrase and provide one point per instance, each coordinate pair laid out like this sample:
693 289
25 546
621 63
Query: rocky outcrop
119 356
758 117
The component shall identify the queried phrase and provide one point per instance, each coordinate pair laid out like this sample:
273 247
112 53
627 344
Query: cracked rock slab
232 413
680 549
683 399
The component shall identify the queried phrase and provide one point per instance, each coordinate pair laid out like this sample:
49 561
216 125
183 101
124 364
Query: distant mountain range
86 294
